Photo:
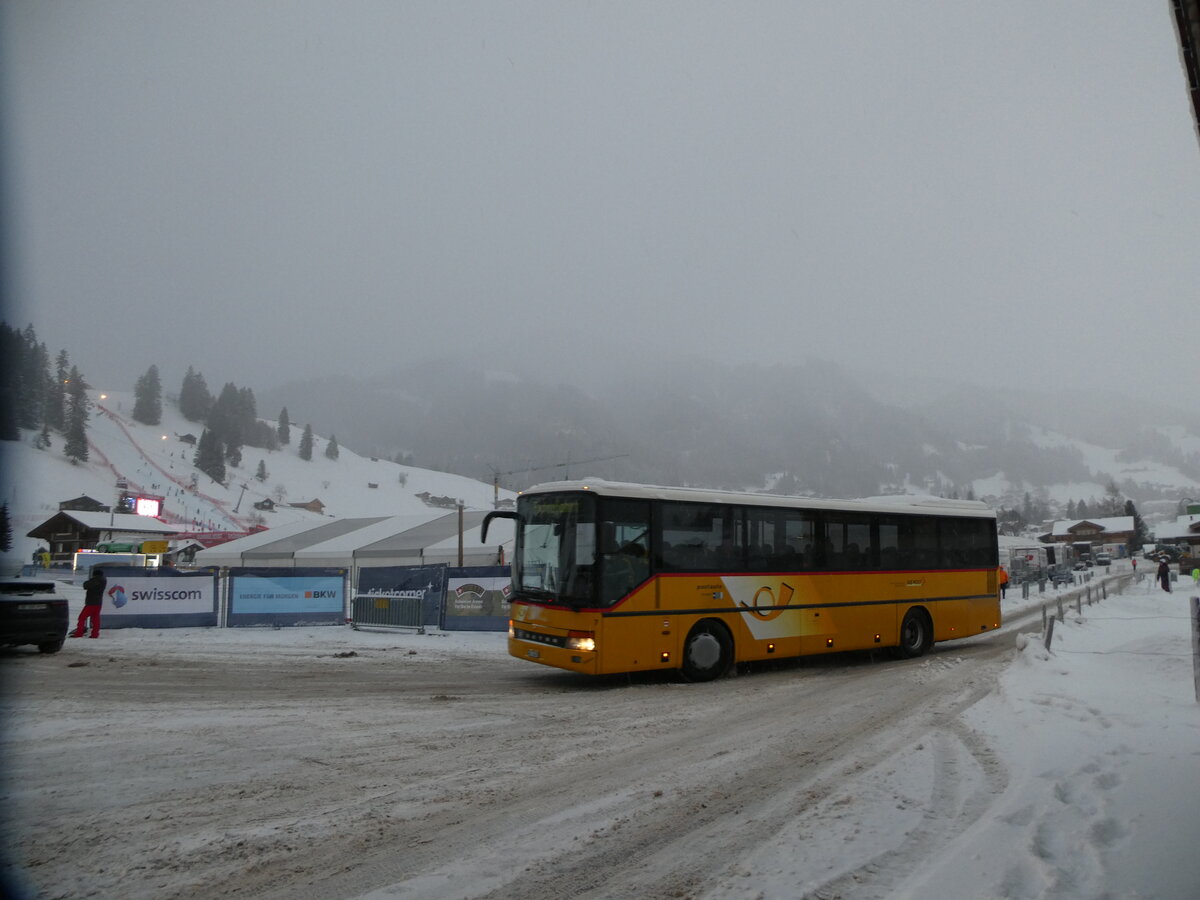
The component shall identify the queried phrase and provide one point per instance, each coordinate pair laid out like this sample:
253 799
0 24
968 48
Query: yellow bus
613 577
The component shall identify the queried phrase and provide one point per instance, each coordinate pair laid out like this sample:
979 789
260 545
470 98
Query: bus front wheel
707 652
916 634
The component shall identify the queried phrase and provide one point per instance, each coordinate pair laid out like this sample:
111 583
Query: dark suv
32 612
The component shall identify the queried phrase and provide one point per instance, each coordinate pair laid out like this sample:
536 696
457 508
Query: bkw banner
308 596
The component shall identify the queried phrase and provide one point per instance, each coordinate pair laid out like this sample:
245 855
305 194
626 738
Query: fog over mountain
814 428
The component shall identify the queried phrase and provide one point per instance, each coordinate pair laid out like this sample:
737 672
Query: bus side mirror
494 514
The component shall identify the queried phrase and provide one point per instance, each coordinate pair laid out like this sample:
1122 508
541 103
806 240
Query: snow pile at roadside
1101 738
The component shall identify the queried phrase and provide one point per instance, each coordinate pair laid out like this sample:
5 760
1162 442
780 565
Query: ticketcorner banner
308 596
158 598
477 599
399 596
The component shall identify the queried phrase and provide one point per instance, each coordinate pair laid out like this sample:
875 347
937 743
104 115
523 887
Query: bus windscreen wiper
537 593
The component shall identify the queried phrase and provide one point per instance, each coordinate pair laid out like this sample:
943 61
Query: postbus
611 577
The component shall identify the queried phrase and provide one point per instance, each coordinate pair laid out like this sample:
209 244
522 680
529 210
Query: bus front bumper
548 650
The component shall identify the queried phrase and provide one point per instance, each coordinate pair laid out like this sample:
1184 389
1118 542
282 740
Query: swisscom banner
164 598
286 597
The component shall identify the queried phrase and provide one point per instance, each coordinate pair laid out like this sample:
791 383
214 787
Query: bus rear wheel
916 634
707 652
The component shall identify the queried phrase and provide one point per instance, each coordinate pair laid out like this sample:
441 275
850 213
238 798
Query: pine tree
1070 509
24 381
10 343
36 382
331 449
194 399
29 381
76 448
1141 534
56 395
261 473
285 428
147 403
1113 504
225 417
6 543
306 443
210 456
246 406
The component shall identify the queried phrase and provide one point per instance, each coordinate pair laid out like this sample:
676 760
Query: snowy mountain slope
154 459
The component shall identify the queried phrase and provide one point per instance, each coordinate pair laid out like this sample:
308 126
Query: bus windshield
556 547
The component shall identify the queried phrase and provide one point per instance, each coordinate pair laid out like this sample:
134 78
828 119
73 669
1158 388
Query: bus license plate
534 654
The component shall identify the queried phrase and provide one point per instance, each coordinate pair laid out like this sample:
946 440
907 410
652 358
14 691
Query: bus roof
935 506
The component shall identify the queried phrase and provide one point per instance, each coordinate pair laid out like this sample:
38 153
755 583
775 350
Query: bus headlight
581 640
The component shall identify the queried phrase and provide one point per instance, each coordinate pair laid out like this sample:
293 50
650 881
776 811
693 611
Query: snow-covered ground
1081 780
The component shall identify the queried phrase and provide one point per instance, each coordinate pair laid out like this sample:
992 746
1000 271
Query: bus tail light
581 640
511 631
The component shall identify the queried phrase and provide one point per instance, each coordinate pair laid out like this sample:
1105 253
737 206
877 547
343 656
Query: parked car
1104 559
32 612
1062 576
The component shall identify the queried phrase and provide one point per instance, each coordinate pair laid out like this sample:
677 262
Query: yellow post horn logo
770 609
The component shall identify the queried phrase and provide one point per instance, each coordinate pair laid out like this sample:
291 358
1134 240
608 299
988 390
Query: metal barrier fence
1088 594
392 612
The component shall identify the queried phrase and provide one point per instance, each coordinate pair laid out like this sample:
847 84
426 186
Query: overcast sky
271 190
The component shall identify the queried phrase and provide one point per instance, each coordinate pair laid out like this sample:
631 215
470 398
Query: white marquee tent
354 543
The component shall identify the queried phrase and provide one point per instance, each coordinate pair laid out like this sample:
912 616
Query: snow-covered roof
117 523
415 540
236 547
349 541
1112 525
287 546
357 539
904 503
1184 526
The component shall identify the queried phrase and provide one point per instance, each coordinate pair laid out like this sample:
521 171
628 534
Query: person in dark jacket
93 597
1164 575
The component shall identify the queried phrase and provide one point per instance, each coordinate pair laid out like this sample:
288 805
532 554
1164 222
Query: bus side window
704 537
624 548
760 539
952 535
848 542
799 551
918 543
889 545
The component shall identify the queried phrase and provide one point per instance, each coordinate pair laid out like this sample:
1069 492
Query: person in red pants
93 596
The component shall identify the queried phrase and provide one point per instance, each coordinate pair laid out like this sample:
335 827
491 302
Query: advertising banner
477 599
137 597
315 596
408 596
